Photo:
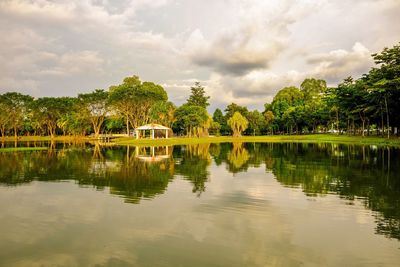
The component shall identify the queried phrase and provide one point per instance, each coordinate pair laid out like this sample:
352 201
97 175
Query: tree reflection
117 169
353 172
192 163
237 157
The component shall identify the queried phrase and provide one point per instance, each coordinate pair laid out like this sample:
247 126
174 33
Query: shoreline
310 138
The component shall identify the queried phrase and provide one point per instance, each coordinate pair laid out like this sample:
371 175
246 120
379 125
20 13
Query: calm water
203 205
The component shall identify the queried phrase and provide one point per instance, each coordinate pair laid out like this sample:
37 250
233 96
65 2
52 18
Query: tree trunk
387 118
15 133
337 121
363 124
127 125
382 123
3 134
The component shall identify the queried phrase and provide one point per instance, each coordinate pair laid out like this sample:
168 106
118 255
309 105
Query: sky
241 51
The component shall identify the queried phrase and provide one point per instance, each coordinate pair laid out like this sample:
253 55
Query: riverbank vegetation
364 106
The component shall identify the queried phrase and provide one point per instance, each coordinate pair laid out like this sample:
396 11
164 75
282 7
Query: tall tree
123 99
4 116
198 96
257 123
48 111
313 88
17 106
134 100
218 117
95 106
191 119
385 80
269 118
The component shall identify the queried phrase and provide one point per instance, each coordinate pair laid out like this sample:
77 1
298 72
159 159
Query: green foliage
218 117
290 95
256 123
313 89
16 106
191 120
198 96
134 101
48 113
238 124
163 113
95 106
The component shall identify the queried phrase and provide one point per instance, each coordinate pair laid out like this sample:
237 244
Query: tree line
364 106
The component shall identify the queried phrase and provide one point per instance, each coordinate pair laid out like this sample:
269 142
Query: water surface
203 205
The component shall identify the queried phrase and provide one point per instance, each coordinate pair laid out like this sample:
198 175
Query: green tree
256 121
238 124
233 108
191 119
313 89
48 112
123 99
288 97
384 81
218 117
4 116
17 107
269 118
148 95
134 100
95 107
198 96
163 113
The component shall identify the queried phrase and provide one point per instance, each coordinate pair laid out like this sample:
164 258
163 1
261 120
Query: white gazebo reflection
153 153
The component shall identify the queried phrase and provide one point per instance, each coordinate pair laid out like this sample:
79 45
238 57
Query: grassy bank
312 138
45 138
15 149
316 138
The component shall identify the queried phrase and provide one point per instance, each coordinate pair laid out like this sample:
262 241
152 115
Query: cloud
236 53
260 86
258 38
243 51
336 65
48 43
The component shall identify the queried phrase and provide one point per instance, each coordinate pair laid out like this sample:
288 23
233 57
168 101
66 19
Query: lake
240 204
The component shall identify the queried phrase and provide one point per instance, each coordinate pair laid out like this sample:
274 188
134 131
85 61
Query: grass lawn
312 138
43 138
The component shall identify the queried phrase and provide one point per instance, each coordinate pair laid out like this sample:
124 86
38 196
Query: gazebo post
137 134
152 133
166 133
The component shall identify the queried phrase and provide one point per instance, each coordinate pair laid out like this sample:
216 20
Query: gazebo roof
152 126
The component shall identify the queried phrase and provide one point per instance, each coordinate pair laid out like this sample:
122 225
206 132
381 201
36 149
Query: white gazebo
152 128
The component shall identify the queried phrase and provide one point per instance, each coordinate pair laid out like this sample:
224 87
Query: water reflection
355 173
118 170
192 163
